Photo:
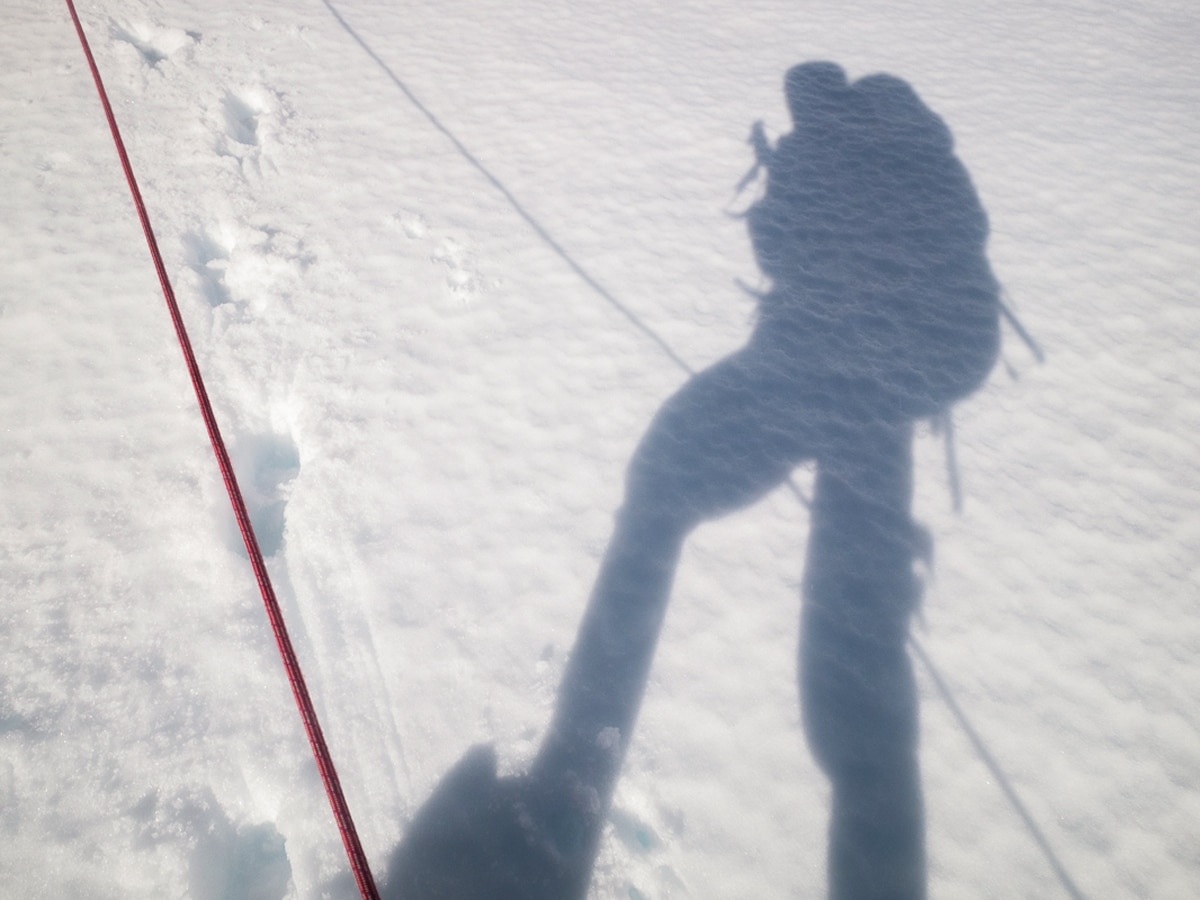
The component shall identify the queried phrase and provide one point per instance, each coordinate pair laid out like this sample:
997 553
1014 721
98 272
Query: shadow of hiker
882 310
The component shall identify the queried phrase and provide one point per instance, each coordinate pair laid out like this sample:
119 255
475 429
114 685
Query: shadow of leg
857 687
729 436
860 714
732 434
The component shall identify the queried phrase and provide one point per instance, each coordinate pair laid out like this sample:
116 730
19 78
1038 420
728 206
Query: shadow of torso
874 239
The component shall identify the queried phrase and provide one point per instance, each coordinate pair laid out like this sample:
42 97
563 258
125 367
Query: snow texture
441 263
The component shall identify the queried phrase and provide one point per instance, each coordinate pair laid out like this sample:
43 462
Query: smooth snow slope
431 411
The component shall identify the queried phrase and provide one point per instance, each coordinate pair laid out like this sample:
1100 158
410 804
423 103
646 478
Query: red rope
333 788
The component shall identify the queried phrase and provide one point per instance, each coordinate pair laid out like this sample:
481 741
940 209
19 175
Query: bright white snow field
431 397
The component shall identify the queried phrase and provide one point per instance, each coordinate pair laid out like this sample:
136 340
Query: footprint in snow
455 259
412 224
246 125
243 269
642 870
266 465
208 257
152 43
227 860
241 118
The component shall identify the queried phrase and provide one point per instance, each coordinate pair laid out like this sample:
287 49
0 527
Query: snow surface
427 253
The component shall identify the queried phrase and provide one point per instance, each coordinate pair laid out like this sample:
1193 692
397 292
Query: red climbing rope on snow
333 788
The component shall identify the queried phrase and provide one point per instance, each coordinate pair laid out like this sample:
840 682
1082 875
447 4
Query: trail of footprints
243 273
247 273
240 271
245 121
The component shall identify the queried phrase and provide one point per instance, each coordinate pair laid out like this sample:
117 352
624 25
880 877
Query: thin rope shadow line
994 767
530 220
513 201
541 232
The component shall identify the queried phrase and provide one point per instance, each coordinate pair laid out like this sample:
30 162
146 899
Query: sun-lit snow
431 255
